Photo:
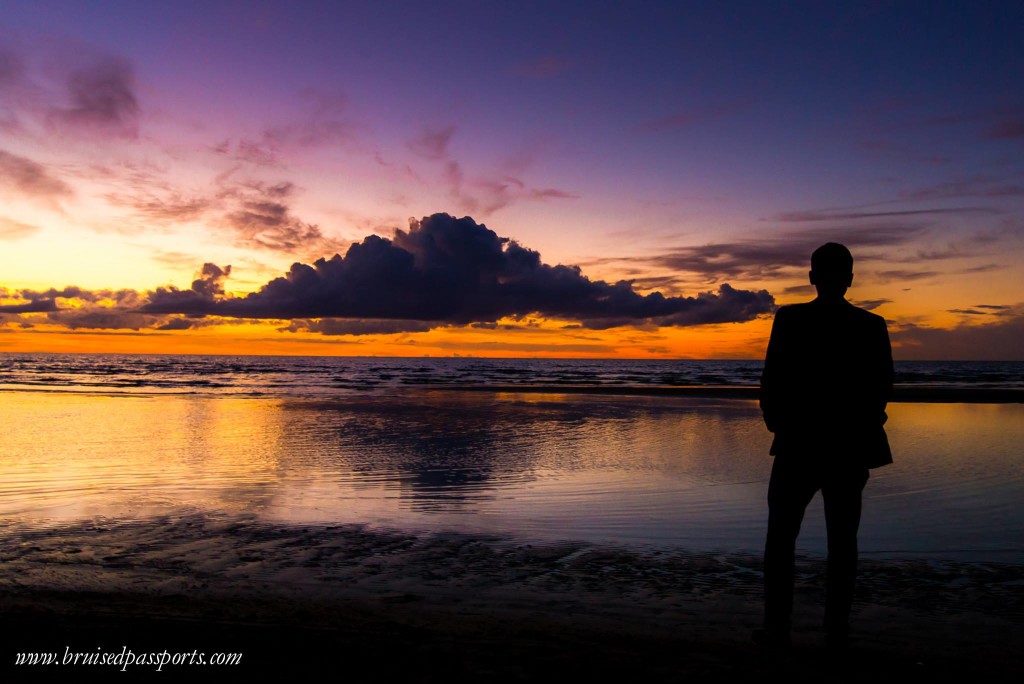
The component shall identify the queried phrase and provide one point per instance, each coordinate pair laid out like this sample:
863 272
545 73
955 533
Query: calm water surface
658 471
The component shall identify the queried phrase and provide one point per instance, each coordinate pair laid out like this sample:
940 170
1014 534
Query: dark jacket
827 378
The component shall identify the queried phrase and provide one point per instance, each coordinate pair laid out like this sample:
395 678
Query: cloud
996 341
976 186
483 193
442 271
197 300
31 178
902 152
15 230
100 319
872 304
102 98
544 67
989 310
449 271
12 67
904 274
174 207
687 118
1007 129
325 123
258 153
768 257
350 326
33 306
839 215
432 143
257 214
262 218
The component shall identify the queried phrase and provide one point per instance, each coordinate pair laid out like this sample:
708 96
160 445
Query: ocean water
377 443
326 376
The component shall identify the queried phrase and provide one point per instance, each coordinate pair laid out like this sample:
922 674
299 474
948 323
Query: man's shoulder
865 316
812 313
795 311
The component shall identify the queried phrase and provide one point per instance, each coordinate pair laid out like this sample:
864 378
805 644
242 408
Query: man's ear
810 276
849 283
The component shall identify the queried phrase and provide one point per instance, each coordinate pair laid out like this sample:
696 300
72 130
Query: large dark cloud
454 271
442 271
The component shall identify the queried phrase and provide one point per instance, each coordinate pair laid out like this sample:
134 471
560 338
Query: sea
304 376
443 445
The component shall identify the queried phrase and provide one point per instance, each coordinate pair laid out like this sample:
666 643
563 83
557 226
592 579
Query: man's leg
842 495
790 490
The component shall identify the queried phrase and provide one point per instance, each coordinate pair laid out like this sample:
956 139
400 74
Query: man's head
831 270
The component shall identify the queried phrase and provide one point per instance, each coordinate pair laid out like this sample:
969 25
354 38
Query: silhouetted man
827 378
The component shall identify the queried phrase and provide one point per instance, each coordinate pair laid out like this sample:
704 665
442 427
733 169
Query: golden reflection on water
72 456
657 470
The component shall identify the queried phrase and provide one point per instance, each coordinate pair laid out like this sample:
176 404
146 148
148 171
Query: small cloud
904 274
544 67
350 326
840 215
12 67
977 186
872 304
432 143
15 230
262 218
687 118
1007 129
31 178
771 257
998 340
102 98
199 299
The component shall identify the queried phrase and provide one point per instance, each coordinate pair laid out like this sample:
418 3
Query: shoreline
909 394
461 607
901 394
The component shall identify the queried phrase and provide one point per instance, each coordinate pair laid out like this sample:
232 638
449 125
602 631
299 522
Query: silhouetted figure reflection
827 378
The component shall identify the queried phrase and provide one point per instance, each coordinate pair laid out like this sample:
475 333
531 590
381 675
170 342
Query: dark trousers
793 484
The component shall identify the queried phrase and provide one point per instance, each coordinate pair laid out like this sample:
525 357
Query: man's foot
776 640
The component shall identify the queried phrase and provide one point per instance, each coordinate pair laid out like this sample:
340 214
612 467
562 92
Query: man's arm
886 373
771 380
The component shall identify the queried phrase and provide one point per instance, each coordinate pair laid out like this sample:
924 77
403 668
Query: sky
571 179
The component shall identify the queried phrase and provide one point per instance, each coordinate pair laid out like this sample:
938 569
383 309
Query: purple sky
680 145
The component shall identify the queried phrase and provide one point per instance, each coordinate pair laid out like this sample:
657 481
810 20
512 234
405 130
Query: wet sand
374 605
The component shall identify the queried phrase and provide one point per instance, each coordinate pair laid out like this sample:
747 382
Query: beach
375 606
461 534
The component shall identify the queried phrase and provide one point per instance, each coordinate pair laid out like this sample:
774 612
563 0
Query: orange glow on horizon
543 339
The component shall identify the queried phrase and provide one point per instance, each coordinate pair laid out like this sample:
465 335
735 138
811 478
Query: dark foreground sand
382 606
